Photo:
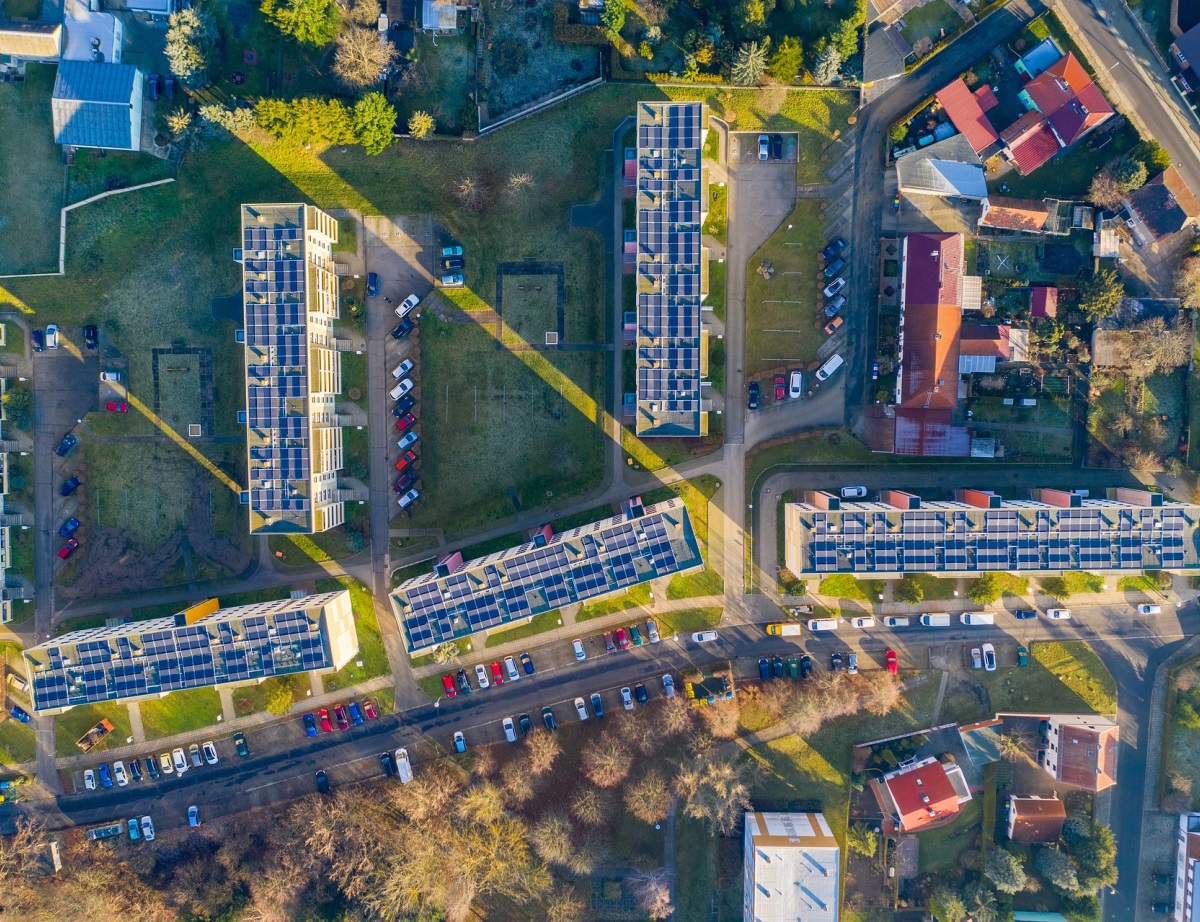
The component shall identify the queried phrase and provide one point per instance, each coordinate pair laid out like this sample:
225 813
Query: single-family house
1034 819
966 110
947 168
1080 750
22 41
1163 206
1186 51
1029 216
97 105
920 796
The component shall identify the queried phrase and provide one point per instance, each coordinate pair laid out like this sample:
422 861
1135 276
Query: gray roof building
98 105
950 168
31 41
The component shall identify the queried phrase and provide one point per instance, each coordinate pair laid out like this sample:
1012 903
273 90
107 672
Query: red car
323 717
405 421
780 387
622 638
67 549
497 674
448 684
342 718
369 709
117 406
406 460
404 484
893 665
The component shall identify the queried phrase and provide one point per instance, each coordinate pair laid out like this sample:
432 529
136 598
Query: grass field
70 726
942 848
443 83
844 586
716 222
783 314
371 652
1070 174
529 313
1063 677
31 173
685 622
546 621
17 742
251 699
934 588
181 712
928 21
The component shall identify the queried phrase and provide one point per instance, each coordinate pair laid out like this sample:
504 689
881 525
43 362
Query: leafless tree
519 184
544 749
1014 746
652 890
714 790
362 12
1105 191
472 193
429 794
880 694
722 718
673 717
606 761
563 905
591 806
1187 280
363 56
649 798
592 852
518 782
551 838
483 761
481 803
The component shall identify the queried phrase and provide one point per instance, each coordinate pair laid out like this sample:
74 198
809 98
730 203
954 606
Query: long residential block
791 868
200 647
293 369
464 597
1054 532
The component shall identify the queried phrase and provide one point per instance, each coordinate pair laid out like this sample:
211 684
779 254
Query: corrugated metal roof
941 177
95 105
31 39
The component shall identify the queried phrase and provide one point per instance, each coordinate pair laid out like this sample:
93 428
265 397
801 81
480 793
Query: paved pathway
136 730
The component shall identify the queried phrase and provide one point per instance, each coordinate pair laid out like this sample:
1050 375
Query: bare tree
544 748
472 193
518 782
481 803
652 890
722 718
484 761
674 716
519 184
551 839
361 12
563 905
606 762
714 790
649 798
1105 191
592 852
1014 746
1187 280
591 806
363 57
880 694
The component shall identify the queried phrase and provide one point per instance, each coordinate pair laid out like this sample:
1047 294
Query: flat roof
791 863
540 576
243 643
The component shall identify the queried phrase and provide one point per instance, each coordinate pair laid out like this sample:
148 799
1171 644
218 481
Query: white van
834 363
822 624
935 620
977 617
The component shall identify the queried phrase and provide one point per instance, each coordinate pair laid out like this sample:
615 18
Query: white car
854 492
668 685
577 646
164 764
702 637
627 698
581 709
1058 614
989 657
794 384
510 729
863 623
976 659
764 147
119 775
52 336
510 666
1149 609
652 632
891 621
481 676
852 664
407 305
403 766
147 829
210 753
401 389
193 816
89 780
834 287
402 369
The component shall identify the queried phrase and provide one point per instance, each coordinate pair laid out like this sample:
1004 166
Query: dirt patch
116 564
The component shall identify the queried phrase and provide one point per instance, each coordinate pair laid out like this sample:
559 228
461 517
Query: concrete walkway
136 730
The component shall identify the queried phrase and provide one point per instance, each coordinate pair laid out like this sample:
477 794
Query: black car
38 338
387 764
753 402
91 337
239 740
525 724
169 87
453 264
152 767
834 267
835 247
152 83
407 325
764 668
777 146
322 782
68 442
639 692
1024 613
835 662
464 684
70 486
403 405
777 667
548 718
135 770
805 666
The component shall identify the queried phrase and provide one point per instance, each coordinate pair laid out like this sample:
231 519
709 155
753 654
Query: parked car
406 482
19 713
464 681
834 268
510 729
581 709
70 485
406 326
548 718
668 685
239 742
179 759
780 387
497 674
777 667
976 658
67 549
704 636
397 392
622 638
794 385
147 829
893 621
405 422
407 305
119 773
652 632
989 657
639 693
597 704
326 723
135 829
609 645
835 246
753 399
448 686
403 369
166 766
408 441
460 741
152 767
627 698
580 655
322 782
862 623
153 85
356 714
116 406
38 338
851 663
110 377
524 724
1149 609
105 775
407 459
193 816
834 287
806 666
452 280
386 763
452 251
169 86
52 336
1058 614
764 147
833 326
68 442
510 668
408 499
481 676
194 753
527 664
403 405
1022 655
835 305
403 766
341 717
835 662
892 661
635 635
89 780
777 146
135 769
1024 614
372 284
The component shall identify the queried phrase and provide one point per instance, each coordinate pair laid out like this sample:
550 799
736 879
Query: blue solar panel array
528 580
1102 535
164 657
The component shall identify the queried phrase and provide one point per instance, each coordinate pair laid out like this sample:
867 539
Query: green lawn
354 378
250 699
702 583
942 849
180 712
808 448
17 742
1070 174
934 588
546 621
1080 670
718 215
928 21
371 652
716 290
844 586
685 622
630 598
71 725
347 243
783 314
1061 677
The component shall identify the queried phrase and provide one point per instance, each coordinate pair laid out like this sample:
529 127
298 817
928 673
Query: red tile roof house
1080 751
1033 819
1043 302
963 108
930 326
924 795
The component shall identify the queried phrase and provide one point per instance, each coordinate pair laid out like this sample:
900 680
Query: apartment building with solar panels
200 647
6 593
293 369
1127 531
464 597
672 270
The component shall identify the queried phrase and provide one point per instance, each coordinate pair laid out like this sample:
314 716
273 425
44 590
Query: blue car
764 668
135 829
527 664
105 776
20 713
310 725
356 716
1024 614
372 284
597 705
69 527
